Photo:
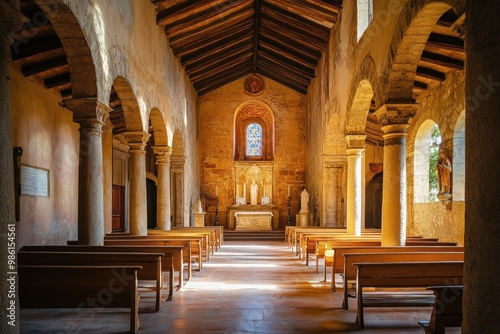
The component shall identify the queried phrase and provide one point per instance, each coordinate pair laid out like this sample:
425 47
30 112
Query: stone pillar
91 115
10 20
138 207
355 149
481 304
163 187
137 140
394 119
394 186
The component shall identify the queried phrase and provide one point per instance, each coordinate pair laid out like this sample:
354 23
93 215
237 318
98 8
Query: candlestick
217 190
288 190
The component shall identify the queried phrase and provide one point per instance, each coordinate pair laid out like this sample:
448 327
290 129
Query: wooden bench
447 310
150 263
337 260
166 266
205 238
350 258
218 233
73 286
402 275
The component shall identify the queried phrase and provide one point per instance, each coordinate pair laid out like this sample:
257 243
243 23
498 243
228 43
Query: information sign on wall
34 181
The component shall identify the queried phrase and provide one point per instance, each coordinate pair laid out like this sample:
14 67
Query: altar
253 217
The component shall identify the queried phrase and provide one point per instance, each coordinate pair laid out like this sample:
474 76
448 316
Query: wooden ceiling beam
281 40
446 42
289 69
48 65
183 10
35 46
308 71
201 73
287 83
310 63
310 11
430 73
194 59
256 32
208 85
440 60
418 85
286 73
57 81
329 6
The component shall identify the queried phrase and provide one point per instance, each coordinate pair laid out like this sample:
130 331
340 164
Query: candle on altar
288 190
217 190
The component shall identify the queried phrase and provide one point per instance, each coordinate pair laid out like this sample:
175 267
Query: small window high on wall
365 15
427 143
254 140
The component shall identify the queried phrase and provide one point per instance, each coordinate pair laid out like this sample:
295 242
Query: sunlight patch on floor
226 286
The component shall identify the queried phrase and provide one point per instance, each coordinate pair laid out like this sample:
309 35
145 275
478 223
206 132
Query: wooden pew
72 286
166 266
183 234
150 263
190 253
447 309
402 275
350 258
218 232
337 263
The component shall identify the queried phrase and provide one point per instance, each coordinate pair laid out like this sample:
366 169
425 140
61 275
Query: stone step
230 235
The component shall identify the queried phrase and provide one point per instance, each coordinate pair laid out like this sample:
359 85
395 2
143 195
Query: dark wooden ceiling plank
182 10
214 54
430 73
210 30
281 40
310 11
287 73
329 6
209 18
288 68
290 84
221 65
35 46
66 93
243 30
256 31
437 59
447 19
208 85
31 69
295 33
293 21
205 53
57 81
446 42
308 62
308 71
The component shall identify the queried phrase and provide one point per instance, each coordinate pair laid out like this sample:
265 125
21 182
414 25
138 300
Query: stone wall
216 131
50 140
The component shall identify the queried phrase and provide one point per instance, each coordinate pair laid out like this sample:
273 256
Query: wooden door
118 209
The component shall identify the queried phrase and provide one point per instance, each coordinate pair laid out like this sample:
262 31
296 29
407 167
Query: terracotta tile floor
246 287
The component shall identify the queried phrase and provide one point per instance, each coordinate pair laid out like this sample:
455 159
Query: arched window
458 162
254 140
365 15
427 141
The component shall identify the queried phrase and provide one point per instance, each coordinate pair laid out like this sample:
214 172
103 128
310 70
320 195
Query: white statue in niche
199 208
254 188
304 201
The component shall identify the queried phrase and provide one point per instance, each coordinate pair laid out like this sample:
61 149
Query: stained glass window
254 140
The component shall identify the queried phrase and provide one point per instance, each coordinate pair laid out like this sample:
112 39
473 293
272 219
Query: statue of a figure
443 168
200 209
253 193
304 201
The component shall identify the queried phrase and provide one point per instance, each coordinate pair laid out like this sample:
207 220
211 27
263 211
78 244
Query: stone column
91 115
138 197
394 119
163 187
10 20
355 149
481 304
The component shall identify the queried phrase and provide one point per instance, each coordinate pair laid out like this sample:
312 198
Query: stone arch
421 161
458 168
158 127
253 112
129 106
76 47
413 28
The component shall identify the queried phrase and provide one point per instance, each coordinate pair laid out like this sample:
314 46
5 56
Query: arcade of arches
115 133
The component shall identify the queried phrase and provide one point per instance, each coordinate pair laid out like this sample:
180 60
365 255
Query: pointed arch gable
414 26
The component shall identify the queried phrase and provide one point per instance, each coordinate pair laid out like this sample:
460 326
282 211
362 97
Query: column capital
87 110
162 154
11 19
137 140
355 141
396 113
